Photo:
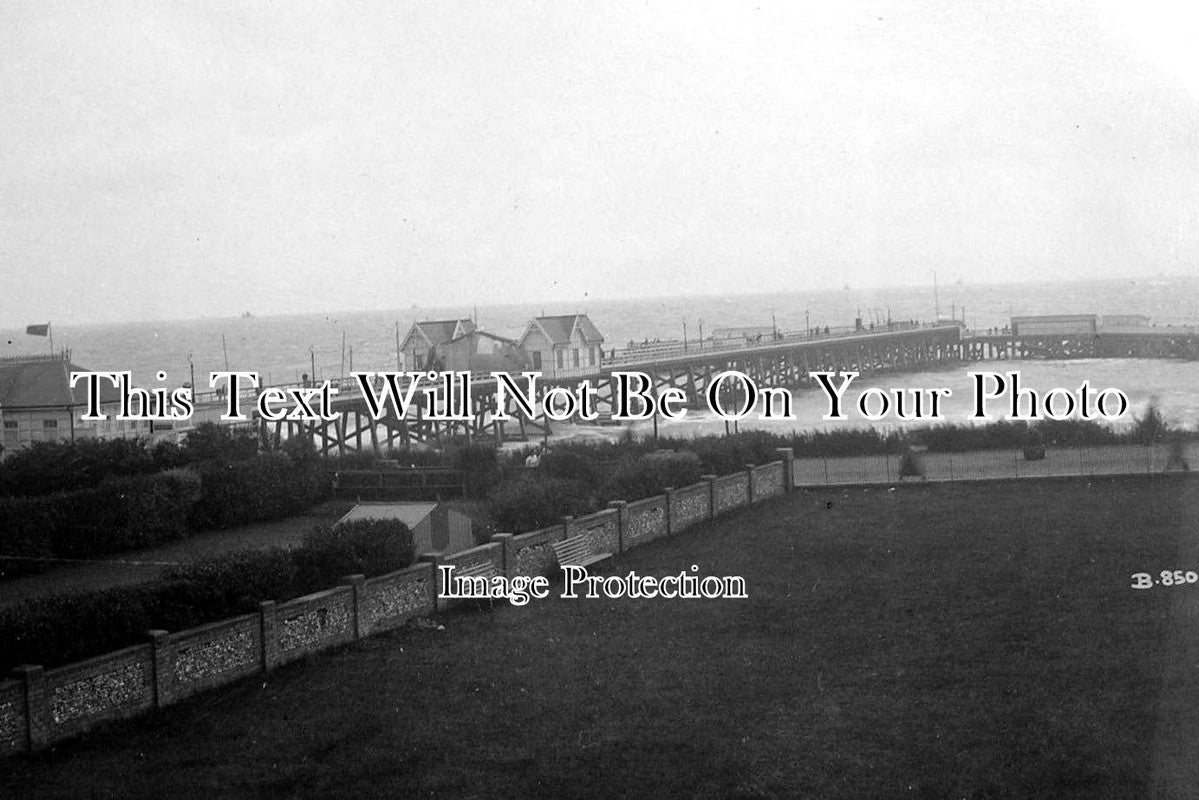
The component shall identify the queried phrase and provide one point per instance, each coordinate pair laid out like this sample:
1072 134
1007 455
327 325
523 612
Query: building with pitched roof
567 344
37 403
480 353
424 336
435 526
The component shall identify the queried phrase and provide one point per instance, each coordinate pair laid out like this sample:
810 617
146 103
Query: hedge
651 475
119 514
66 628
24 527
530 502
126 513
368 546
53 467
268 486
123 514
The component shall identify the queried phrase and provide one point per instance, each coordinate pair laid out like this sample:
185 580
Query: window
591 356
49 423
574 357
560 359
537 360
10 424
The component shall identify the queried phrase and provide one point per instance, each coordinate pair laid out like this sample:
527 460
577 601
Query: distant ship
247 315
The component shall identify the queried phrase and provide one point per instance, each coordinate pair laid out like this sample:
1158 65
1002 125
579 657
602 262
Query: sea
282 348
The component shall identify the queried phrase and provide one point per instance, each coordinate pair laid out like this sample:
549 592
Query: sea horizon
466 308
282 348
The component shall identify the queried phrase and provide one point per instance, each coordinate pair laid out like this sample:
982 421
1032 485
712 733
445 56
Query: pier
781 360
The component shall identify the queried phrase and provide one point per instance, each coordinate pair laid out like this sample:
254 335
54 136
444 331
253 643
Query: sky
181 160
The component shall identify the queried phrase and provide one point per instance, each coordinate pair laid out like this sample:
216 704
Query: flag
38 330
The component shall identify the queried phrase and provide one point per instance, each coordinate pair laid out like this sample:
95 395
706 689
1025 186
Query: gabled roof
411 514
474 338
45 382
487 352
559 329
436 331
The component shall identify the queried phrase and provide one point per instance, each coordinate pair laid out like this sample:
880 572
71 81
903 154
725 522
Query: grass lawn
935 641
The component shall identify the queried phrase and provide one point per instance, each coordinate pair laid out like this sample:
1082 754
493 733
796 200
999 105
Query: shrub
479 465
417 457
222 586
652 474
25 527
53 467
571 465
49 467
123 513
119 514
70 627
1150 427
354 460
845 442
211 442
300 449
268 486
370 547
64 628
527 503
721 455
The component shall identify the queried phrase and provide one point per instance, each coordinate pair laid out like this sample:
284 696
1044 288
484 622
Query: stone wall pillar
787 456
37 712
270 635
159 668
357 583
507 557
711 479
618 506
434 559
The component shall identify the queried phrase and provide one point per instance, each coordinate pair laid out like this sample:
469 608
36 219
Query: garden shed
435 526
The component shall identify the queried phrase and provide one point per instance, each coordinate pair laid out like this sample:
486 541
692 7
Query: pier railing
655 350
636 353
